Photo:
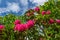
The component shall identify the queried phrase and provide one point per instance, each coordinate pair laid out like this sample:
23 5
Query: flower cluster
51 21
32 11
2 27
23 27
37 9
46 12
58 21
17 22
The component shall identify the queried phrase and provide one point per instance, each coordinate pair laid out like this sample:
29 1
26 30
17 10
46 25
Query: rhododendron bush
40 23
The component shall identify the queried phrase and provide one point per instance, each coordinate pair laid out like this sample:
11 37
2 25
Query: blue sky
18 7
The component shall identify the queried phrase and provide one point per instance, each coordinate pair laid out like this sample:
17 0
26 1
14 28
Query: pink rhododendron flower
58 21
43 12
48 12
28 14
17 22
16 27
37 9
26 26
23 27
30 23
19 27
2 27
51 21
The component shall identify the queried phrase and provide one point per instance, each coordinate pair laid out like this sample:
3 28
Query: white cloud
2 10
24 2
39 2
14 7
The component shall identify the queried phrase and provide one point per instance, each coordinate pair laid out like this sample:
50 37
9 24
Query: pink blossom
17 22
51 21
48 12
2 27
23 27
37 9
28 14
26 26
58 21
43 12
19 27
30 23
